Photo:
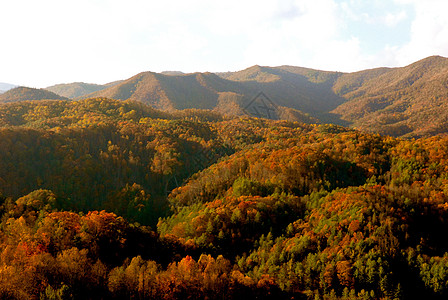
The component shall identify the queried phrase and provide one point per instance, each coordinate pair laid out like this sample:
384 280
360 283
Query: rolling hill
25 93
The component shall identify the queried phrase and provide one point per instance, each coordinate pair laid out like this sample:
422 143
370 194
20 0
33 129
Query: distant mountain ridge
25 93
78 89
409 101
6 86
231 93
74 90
172 73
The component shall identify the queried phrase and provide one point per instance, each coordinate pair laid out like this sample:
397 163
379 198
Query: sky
47 42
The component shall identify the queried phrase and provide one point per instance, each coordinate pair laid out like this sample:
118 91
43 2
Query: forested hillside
108 199
410 101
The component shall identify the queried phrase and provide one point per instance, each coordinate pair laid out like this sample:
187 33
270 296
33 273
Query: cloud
392 20
52 41
310 32
102 40
429 31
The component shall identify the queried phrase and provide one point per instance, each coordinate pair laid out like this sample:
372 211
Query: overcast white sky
60 41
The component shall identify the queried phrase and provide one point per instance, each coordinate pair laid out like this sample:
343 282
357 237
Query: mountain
76 89
172 73
168 92
113 83
25 93
6 86
304 90
409 101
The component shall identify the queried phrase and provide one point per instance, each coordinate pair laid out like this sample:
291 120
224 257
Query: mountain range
113 199
5 87
78 89
25 93
305 91
409 101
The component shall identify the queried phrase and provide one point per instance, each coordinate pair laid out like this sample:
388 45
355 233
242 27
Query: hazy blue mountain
6 86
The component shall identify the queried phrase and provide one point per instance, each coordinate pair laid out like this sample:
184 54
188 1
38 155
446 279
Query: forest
108 199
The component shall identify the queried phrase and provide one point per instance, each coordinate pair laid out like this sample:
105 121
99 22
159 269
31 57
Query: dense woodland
106 199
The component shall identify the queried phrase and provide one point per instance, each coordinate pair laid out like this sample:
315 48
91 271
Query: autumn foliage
102 199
